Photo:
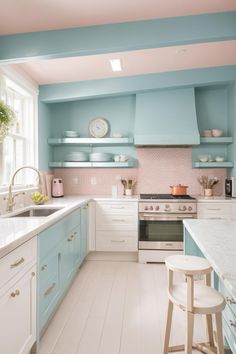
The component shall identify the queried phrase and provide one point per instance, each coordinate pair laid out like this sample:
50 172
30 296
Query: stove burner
165 196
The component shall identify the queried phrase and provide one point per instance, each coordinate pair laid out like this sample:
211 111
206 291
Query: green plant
7 119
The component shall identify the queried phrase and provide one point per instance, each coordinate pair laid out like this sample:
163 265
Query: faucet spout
10 198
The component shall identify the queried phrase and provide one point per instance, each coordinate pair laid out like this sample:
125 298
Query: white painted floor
115 308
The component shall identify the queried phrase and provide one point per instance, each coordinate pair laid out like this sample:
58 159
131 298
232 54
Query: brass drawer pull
230 300
15 293
118 241
75 233
18 262
50 289
120 220
70 239
218 209
44 267
232 324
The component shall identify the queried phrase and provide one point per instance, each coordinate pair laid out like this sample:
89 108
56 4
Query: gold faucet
10 197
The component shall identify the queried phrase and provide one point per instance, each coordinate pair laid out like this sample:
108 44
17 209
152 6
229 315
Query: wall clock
98 127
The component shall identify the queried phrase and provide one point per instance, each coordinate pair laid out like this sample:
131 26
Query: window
19 147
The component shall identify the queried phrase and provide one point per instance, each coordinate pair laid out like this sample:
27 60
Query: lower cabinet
18 306
216 210
62 249
117 226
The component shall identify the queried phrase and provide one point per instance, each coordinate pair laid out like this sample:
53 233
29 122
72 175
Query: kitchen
110 296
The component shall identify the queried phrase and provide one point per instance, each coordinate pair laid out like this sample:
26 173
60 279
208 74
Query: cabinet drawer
17 260
48 298
124 208
48 268
117 241
116 222
216 210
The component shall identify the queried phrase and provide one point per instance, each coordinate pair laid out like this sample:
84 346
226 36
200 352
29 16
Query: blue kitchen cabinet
59 257
190 246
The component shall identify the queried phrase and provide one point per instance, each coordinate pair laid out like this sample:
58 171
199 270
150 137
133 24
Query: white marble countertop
217 241
15 231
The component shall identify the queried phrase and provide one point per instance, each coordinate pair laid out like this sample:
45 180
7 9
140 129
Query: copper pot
178 190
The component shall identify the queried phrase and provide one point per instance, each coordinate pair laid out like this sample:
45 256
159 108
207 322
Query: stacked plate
70 134
77 156
100 157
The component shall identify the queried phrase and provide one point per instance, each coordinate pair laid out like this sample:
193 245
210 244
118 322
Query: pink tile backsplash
158 168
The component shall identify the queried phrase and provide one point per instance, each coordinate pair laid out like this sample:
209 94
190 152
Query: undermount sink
34 212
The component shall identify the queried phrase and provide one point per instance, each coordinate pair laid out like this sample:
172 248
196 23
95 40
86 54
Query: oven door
162 232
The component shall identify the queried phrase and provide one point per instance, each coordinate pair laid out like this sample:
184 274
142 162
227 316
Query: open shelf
223 164
68 164
90 141
220 140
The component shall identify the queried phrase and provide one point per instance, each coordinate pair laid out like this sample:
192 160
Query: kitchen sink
34 212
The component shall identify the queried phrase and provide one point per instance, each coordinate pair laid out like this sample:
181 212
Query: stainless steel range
161 225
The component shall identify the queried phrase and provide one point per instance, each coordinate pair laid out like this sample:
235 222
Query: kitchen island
216 241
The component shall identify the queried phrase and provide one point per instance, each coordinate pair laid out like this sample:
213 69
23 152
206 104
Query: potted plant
7 119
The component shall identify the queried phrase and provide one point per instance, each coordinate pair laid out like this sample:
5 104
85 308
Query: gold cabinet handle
75 233
50 289
232 324
44 267
230 300
15 293
118 241
120 220
18 262
69 239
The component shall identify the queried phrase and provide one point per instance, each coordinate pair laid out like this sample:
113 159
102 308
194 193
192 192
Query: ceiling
57 14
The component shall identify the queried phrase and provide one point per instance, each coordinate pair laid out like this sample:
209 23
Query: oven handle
166 217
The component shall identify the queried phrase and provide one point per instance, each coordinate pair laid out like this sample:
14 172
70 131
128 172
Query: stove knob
146 208
190 208
183 208
157 207
151 207
167 207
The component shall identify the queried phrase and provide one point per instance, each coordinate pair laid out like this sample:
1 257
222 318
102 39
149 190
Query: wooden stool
194 298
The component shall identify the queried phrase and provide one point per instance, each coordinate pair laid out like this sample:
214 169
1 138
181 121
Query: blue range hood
166 118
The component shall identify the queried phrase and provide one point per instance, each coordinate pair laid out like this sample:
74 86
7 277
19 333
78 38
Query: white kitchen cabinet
18 303
116 226
216 210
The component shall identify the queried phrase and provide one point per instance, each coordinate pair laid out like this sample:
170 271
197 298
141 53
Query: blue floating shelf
220 140
67 164
224 164
90 141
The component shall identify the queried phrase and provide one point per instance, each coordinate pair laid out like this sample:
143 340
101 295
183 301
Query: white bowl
219 158
117 135
203 158
70 134
206 133
217 132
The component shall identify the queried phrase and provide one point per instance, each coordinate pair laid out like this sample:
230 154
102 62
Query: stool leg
168 327
209 326
189 333
219 334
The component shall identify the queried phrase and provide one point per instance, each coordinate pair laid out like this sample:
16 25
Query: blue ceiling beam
117 37
134 84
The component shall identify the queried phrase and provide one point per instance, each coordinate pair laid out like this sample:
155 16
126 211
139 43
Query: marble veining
217 241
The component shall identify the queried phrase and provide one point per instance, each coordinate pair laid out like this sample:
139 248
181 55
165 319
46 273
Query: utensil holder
128 192
208 192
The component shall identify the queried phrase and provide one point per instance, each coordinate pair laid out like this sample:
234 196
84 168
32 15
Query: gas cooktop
165 196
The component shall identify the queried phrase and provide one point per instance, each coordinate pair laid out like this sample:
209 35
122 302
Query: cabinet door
84 232
18 315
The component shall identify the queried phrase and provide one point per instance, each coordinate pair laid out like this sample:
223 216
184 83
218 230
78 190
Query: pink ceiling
133 63
18 16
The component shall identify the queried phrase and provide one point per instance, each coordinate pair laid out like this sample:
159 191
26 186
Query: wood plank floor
115 308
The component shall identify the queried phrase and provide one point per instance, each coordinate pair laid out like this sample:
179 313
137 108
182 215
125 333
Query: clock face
98 127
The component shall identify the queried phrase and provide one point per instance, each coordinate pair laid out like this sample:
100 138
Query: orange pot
178 190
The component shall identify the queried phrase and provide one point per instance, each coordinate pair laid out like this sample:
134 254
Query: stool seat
188 264
206 300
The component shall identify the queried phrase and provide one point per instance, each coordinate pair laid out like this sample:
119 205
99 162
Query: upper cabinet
212 108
